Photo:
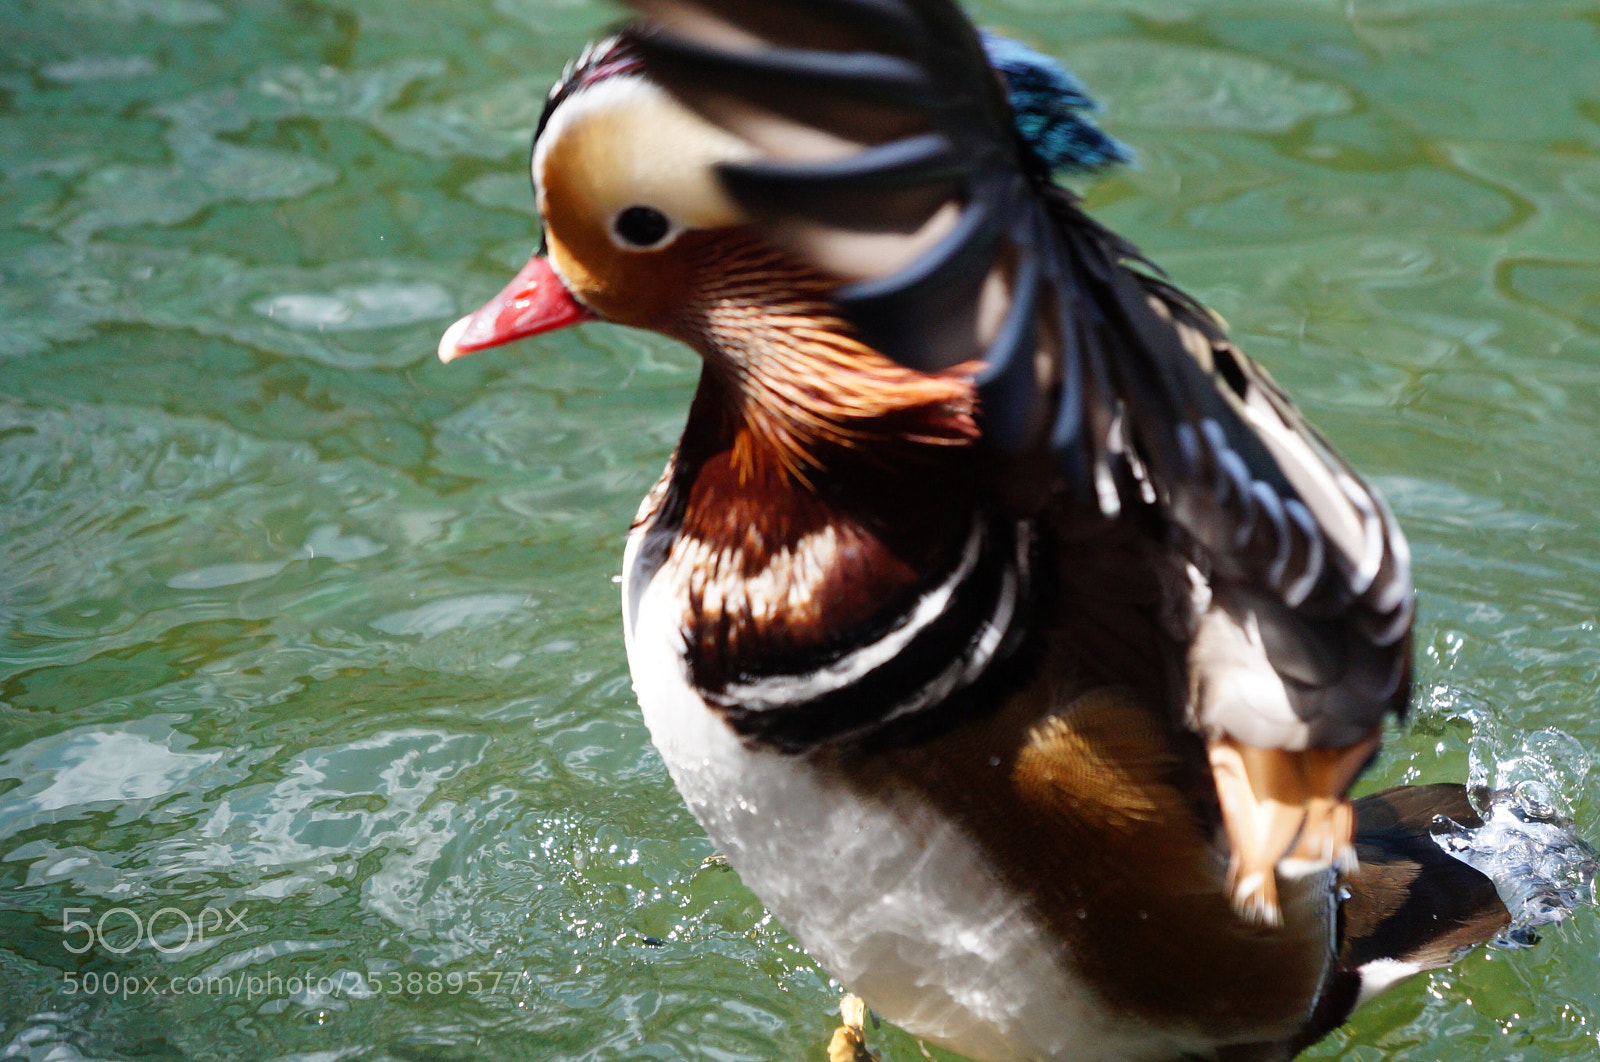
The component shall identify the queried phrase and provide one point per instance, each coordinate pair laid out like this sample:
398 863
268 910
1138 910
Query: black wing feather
893 311
892 187
1142 399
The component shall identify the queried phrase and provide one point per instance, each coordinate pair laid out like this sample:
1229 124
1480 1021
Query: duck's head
624 178
624 185
639 231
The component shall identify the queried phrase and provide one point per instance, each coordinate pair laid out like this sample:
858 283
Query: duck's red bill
535 301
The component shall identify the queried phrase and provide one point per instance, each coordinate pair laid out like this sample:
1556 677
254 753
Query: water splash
1546 772
1541 868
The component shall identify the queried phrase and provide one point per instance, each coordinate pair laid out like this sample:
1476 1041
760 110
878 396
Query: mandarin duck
1009 629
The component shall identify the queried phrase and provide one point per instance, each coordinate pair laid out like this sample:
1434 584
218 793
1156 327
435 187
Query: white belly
886 893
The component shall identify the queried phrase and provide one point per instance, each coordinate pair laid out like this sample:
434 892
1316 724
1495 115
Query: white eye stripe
634 145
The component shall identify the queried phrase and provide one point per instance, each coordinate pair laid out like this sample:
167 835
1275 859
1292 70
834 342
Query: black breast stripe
955 639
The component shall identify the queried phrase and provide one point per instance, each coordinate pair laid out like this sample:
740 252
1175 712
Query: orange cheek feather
642 289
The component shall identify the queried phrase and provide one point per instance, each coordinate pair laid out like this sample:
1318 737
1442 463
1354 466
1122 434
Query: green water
299 624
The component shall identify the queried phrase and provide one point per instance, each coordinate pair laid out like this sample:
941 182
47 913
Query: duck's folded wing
890 157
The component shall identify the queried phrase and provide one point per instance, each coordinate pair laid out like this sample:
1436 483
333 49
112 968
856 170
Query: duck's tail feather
1411 902
1438 878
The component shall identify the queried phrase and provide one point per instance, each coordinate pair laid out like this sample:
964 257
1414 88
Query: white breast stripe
781 691
966 668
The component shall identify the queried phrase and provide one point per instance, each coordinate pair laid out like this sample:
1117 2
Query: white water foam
1527 846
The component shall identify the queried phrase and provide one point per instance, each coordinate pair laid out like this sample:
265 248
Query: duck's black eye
642 226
